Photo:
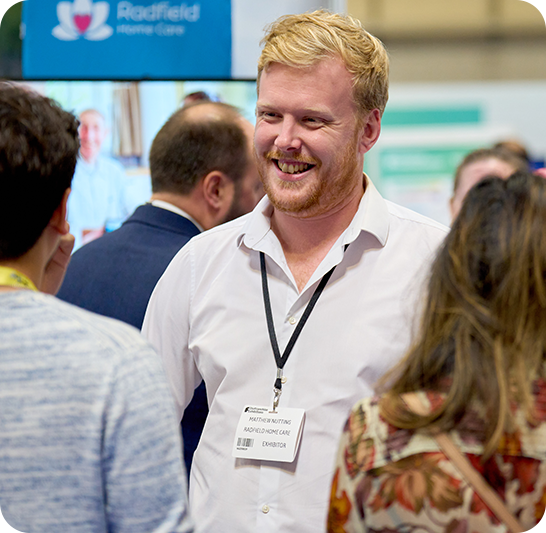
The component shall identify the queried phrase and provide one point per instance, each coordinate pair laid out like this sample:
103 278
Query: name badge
268 436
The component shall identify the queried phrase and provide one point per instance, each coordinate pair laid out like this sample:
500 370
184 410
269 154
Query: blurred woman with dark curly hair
478 366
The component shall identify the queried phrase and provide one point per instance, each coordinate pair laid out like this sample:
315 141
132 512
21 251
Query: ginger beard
322 190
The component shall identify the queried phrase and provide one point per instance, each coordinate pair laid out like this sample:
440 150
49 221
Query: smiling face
92 132
309 145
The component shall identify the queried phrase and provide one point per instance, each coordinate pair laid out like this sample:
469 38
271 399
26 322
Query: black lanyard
281 359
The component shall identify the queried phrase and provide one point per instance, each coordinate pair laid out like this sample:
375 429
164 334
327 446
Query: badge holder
268 435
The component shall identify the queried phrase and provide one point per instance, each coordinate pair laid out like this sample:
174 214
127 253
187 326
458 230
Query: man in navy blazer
203 174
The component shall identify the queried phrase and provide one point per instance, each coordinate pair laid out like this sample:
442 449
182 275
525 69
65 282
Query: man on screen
98 186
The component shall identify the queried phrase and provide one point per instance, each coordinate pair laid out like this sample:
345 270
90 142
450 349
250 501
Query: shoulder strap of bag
472 476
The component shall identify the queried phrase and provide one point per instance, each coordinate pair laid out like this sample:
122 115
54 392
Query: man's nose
288 138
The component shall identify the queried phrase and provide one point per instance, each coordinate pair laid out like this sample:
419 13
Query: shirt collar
257 225
372 217
86 164
170 207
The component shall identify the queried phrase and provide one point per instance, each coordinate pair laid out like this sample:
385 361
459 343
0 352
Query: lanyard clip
276 399
277 389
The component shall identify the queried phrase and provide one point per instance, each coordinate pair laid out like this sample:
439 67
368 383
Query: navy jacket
116 274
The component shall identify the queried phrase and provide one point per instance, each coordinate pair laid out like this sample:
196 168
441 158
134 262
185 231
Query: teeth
293 168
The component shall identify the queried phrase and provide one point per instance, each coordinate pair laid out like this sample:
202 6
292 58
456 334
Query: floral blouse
390 480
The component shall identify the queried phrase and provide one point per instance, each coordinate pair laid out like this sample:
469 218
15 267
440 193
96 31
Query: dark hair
38 149
484 319
190 145
197 96
482 154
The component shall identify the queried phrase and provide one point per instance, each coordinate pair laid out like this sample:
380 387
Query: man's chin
88 155
291 202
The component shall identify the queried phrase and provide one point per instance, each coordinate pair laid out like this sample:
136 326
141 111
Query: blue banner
120 39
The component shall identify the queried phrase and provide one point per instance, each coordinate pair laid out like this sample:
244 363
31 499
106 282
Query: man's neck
307 241
22 266
35 262
91 161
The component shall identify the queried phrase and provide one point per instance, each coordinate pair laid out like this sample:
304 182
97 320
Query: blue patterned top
89 441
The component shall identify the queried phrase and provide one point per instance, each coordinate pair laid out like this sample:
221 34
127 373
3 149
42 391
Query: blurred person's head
93 131
477 165
38 151
197 96
302 40
482 335
205 150
514 146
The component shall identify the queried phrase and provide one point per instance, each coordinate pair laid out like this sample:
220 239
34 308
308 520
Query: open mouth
292 168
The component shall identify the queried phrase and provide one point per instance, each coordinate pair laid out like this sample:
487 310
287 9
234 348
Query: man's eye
266 114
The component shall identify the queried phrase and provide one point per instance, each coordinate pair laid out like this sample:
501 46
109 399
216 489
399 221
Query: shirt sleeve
167 327
145 481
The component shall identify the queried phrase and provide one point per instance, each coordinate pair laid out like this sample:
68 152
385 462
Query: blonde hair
303 40
483 324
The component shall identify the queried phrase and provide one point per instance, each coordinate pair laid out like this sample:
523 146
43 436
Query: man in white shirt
98 187
322 88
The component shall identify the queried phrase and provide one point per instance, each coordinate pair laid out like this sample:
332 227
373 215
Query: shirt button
292 320
265 509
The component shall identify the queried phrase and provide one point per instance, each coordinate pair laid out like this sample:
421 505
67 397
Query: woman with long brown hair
478 366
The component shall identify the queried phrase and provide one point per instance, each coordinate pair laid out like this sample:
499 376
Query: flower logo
84 19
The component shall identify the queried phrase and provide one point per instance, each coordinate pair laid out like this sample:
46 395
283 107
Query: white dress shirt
206 318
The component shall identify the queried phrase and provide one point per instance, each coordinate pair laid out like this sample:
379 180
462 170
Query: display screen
426 129
132 113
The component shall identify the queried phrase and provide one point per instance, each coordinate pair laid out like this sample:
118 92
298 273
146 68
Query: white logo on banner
82 18
160 18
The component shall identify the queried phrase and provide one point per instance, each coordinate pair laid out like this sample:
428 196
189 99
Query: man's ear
58 220
218 190
370 131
